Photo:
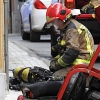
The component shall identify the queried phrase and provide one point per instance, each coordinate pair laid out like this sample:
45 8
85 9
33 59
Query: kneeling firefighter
76 46
76 40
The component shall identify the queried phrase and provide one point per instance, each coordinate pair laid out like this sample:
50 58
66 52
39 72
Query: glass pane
55 1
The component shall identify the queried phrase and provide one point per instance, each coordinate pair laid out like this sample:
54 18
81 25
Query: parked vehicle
33 18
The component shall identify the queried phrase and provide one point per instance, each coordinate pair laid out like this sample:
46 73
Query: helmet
16 71
57 11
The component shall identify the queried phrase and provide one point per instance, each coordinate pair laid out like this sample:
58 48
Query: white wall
2 86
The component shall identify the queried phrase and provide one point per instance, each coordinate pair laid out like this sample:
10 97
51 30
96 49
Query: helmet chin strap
50 24
67 18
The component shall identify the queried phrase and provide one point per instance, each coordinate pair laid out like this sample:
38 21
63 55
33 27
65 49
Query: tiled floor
19 57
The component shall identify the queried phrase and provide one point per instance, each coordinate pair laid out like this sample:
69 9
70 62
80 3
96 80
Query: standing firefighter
76 44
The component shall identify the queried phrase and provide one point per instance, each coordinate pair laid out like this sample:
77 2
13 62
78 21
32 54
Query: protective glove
54 66
55 48
88 9
58 48
66 59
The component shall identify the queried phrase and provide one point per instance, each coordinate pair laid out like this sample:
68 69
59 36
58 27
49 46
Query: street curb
15 34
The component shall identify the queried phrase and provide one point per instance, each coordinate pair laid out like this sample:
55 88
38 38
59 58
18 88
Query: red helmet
57 11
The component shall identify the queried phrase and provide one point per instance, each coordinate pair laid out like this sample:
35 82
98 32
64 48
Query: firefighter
76 38
95 4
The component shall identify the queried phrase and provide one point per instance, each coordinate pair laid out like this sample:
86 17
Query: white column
2 86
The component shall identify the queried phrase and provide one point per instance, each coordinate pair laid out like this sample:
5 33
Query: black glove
54 66
58 48
55 48
88 9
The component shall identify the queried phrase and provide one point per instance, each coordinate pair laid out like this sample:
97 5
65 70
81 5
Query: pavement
21 57
41 48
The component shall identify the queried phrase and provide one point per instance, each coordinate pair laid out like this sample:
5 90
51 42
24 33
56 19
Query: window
55 1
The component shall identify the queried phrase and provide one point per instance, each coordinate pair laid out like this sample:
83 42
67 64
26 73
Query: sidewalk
19 57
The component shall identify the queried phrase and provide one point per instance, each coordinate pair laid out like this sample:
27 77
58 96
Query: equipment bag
36 74
48 90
